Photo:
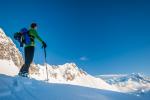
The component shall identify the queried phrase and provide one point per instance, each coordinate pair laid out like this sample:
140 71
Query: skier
29 50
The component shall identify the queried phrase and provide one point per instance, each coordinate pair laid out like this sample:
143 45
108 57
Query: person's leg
22 70
29 57
29 54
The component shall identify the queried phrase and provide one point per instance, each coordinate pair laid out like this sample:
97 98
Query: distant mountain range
134 82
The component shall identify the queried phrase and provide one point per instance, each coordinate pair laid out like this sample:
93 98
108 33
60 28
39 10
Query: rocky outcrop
8 50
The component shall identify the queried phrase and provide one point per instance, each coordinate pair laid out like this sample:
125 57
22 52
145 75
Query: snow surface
134 83
18 88
8 67
80 77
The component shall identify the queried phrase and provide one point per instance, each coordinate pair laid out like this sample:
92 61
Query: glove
44 44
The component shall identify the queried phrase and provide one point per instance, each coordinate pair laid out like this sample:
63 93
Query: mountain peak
8 50
67 72
70 65
1 30
3 37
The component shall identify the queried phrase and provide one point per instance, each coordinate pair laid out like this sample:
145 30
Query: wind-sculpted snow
17 88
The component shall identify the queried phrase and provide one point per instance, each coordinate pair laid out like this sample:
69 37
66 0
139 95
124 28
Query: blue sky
100 36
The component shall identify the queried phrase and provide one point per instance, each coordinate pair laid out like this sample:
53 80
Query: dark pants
29 54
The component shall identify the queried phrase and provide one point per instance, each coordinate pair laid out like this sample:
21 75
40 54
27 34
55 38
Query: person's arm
37 36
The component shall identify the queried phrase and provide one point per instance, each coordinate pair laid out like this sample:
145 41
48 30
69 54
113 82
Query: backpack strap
32 38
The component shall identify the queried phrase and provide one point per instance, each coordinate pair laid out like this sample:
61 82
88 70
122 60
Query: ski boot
25 74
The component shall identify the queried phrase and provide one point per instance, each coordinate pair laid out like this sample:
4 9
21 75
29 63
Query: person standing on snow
29 50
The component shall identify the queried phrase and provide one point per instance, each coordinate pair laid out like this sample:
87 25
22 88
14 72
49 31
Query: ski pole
45 63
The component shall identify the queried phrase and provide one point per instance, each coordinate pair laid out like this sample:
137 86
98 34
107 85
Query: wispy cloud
83 58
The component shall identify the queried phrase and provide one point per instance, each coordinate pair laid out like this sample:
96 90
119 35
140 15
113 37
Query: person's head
34 25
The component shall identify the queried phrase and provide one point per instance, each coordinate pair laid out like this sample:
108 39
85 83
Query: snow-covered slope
8 67
128 83
69 73
17 88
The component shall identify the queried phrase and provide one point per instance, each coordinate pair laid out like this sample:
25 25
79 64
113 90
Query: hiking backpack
22 37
